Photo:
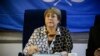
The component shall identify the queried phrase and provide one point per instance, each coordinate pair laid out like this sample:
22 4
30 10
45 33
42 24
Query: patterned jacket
62 41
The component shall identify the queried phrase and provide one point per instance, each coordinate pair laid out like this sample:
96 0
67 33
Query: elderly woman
51 38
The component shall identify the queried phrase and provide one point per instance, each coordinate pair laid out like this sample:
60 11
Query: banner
80 13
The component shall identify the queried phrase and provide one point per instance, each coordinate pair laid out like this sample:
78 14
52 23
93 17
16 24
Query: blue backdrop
80 13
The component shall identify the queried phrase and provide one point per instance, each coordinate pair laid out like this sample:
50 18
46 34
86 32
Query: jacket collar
45 30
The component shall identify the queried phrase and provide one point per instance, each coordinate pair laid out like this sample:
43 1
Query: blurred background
80 18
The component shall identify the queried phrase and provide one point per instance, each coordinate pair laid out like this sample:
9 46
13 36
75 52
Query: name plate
69 54
72 54
46 55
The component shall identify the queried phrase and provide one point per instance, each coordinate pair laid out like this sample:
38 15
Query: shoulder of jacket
39 29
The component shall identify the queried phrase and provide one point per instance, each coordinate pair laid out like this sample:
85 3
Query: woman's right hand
32 49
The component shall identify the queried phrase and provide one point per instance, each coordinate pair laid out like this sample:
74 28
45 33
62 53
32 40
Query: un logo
69 2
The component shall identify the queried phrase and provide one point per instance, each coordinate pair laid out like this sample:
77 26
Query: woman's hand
97 52
32 49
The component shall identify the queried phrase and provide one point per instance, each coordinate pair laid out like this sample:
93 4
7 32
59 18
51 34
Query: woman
50 38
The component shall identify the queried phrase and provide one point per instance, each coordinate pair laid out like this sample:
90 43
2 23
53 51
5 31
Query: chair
34 19
94 37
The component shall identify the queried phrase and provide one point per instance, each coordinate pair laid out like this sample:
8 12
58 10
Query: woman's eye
48 15
53 16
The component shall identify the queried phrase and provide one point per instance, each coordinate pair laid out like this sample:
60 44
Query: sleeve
68 44
31 41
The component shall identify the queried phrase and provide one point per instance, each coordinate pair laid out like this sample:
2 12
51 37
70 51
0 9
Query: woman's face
51 20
